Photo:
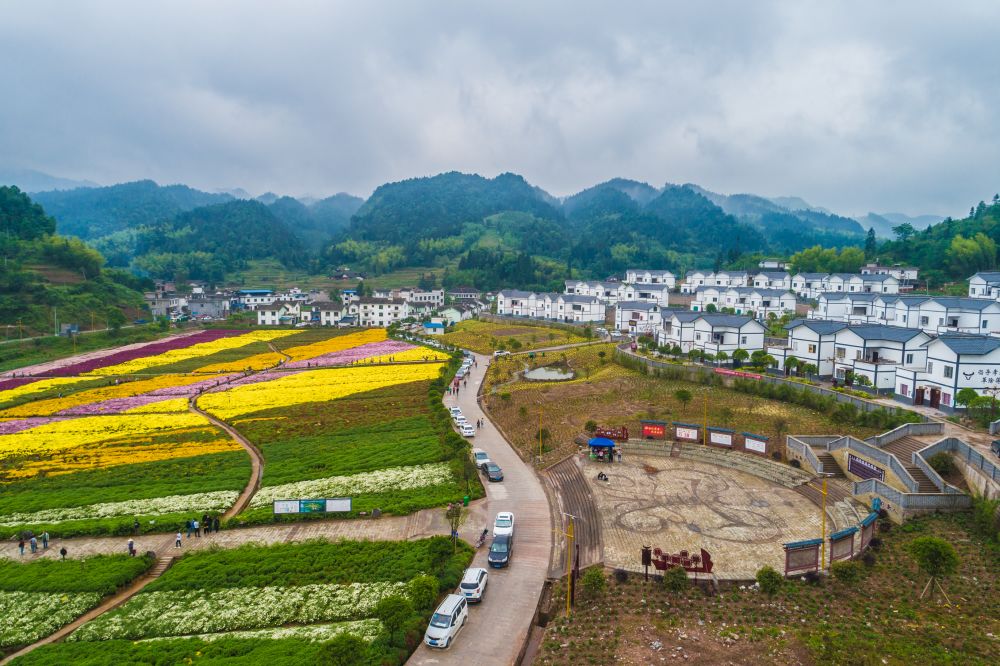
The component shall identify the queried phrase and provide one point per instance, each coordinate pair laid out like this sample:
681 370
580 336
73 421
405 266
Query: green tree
965 256
966 396
769 580
343 650
393 612
423 591
740 355
792 364
593 582
722 357
904 232
683 396
676 579
935 557
871 245
808 369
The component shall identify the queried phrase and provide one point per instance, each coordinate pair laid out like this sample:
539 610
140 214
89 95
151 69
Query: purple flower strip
358 353
10 427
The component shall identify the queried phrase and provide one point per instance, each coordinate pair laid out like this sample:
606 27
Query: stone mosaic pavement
676 504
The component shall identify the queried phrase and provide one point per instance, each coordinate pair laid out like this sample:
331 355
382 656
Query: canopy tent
601 443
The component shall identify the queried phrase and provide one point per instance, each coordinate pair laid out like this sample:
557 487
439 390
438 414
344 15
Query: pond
548 374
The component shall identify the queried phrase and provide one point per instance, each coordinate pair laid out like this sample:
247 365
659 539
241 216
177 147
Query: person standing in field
215 524
131 547
34 544
177 541
189 528
62 553
197 527
20 546
135 527
45 540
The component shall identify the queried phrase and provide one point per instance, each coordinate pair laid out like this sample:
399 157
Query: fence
906 430
886 459
702 371
803 449
971 457
912 501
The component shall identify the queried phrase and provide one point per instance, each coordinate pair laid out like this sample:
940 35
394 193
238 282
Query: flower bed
367 630
29 616
199 503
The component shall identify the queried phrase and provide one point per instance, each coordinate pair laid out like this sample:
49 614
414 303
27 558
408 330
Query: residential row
805 285
931 314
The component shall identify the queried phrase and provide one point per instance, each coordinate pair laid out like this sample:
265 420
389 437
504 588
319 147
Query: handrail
911 500
806 451
905 430
971 456
881 456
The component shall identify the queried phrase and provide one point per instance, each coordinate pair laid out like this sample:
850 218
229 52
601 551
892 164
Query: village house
695 279
279 313
875 352
760 303
513 303
465 294
809 341
215 306
849 308
381 312
709 296
456 313
606 291
328 313
710 332
985 284
907 275
932 314
954 361
772 280
771 265
638 317
576 308
650 293
809 285
165 304
644 276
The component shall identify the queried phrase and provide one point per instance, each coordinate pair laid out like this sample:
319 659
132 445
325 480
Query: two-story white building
932 314
638 317
381 312
606 291
954 361
809 285
693 280
710 332
513 302
772 280
905 274
650 293
985 284
857 308
576 308
809 341
760 303
279 313
647 276
875 351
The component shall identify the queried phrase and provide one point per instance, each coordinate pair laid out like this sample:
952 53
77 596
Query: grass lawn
877 620
611 395
484 337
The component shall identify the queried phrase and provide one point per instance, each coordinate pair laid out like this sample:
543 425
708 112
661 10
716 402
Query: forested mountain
42 271
29 180
208 242
90 213
883 223
317 222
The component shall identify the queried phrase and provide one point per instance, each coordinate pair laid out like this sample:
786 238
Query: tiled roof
882 332
637 305
821 326
722 319
973 345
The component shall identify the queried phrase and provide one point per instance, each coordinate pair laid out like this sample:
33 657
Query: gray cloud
855 106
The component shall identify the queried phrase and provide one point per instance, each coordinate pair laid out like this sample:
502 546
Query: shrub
394 612
343 650
423 592
593 581
935 556
813 577
770 581
942 463
875 544
846 571
675 579
621 576
590 426
868 558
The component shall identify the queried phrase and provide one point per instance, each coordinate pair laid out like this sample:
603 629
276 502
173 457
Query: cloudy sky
888 106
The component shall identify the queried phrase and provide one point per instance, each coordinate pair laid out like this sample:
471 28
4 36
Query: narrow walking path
116 600
256 459
498 628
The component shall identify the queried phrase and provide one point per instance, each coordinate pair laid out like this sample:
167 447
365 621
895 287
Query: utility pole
704 435
539 436
569 562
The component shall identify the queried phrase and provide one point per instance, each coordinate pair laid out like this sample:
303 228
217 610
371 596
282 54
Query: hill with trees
46 278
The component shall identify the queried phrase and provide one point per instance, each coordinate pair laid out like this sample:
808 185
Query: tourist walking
45 540
131 547
34 544
619 455
135 527
215 524
20 546
177 541
197 528
189 528
62 553
206 522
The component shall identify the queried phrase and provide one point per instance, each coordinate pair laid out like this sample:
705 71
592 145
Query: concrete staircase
830 465
163 563
903 449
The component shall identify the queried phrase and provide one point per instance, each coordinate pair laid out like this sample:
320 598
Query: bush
593 581
675 579
343 650
770 581
868 558
942 463
935 556
847 571
423 592
590 426
394 612
621 576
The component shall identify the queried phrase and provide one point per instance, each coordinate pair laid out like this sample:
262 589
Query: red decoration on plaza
694 563
617 434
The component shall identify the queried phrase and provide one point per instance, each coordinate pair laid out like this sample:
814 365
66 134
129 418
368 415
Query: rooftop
973 345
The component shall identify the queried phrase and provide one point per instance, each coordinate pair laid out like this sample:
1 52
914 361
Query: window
986 324
841 352
924 321
909 361
949 372
930 367
812 349
904 390
743 340
945 398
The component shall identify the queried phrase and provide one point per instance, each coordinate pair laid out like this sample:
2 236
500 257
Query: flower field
296 596
39 597
89 445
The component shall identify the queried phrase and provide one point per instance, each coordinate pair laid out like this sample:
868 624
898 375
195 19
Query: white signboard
723 438
286 506
338 504
754 445
687 433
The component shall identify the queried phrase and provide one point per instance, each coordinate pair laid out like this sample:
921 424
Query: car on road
504 523
500 551
454 410
447 621
467 430
481 458
493 472
500 352
473 585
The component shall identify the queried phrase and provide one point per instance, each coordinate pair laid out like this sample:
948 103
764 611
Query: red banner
654 431
737 373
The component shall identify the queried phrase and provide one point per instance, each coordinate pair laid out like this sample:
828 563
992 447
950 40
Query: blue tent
601 443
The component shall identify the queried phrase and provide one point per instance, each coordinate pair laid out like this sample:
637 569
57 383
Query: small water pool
548 374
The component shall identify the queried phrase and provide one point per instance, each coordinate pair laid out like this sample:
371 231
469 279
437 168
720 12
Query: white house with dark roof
772 280
638 317
875 351
513 302
954 361
939 314
905 274
810 341
639 276
809 285
848 308
710 332
705 296
760 303
381 312
985 284
651 293
576 308
606 291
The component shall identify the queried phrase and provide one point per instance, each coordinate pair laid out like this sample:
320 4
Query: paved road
499 626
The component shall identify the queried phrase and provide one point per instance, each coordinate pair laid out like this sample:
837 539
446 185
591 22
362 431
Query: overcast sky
885 106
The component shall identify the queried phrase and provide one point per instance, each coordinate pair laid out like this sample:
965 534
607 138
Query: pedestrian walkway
498 628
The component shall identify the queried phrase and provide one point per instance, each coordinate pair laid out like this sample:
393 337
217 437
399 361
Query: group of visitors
33 543
207 523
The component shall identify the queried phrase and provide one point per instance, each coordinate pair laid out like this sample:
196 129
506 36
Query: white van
447 621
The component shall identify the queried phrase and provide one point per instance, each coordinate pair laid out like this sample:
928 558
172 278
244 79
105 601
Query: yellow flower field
171 406
41 385
122 390
89 430
336 344
117 453
194 351
312 386
417 354
255 362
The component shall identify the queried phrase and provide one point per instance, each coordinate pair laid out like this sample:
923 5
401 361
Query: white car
473 585
455 410
447 621
457 416
467 430
504 523
480 457
500 352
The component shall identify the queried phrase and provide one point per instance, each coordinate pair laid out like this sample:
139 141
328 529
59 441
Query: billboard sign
654 430
863 468
690 434
330 505
721 438
755 445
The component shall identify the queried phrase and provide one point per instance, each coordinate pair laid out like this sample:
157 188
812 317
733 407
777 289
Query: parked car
455 410
473 585
504 523
500 551
447 621
467 430
995 447
493 472
481 458
500 352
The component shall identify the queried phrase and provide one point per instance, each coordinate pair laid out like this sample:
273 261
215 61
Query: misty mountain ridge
29 180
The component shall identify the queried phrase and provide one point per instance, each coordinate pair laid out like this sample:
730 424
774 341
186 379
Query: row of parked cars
453 613
463 425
